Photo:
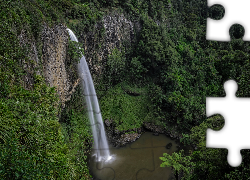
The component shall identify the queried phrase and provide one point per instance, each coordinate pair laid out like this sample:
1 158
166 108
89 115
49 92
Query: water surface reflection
136 161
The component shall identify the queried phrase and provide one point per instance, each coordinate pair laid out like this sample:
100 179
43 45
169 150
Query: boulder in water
108 122
169 145
156 134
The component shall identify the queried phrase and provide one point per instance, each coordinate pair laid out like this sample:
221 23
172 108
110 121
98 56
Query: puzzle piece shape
237 119
236 12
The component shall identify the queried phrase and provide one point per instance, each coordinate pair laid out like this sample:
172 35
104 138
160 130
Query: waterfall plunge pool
138 160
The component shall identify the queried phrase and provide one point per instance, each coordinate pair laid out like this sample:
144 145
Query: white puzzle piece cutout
236 12
236 132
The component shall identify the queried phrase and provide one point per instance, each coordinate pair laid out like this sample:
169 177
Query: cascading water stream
100 141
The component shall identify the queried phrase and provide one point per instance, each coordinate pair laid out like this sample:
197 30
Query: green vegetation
33 143
207 163
127 112
171 60
115 67
75 51
31 138
219 62
172 67
179 162
77 133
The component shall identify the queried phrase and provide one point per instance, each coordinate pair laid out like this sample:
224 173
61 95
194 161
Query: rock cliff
113 31
52 64
55 41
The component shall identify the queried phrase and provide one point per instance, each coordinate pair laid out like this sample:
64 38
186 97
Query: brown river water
138 160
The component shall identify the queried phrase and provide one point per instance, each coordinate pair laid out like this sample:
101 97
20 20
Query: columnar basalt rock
52 64
31 63
114 31
55 41
118 30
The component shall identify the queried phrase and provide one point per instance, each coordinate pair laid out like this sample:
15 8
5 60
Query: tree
206 163
179 162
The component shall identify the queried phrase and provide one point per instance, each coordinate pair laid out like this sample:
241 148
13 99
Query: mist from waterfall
100 140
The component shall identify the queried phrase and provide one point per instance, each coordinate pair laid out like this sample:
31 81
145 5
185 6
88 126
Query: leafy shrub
185 139
126 111
32 143
115 67
179 162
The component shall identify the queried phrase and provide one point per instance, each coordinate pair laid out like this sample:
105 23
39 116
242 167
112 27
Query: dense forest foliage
171 64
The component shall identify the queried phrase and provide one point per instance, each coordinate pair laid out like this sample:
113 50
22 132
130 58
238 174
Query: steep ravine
113 31
118 32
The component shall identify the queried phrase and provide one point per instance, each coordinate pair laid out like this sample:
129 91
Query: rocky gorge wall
55 41
115 30
52 63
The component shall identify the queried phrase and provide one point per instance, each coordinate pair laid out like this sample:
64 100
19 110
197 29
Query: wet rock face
55 41
114 31
108 122
127 138
121 138
173 134
117 30
156 134
28 66
153 128
51 65
169 145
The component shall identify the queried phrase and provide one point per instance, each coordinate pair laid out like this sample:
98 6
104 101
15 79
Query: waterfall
100 141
